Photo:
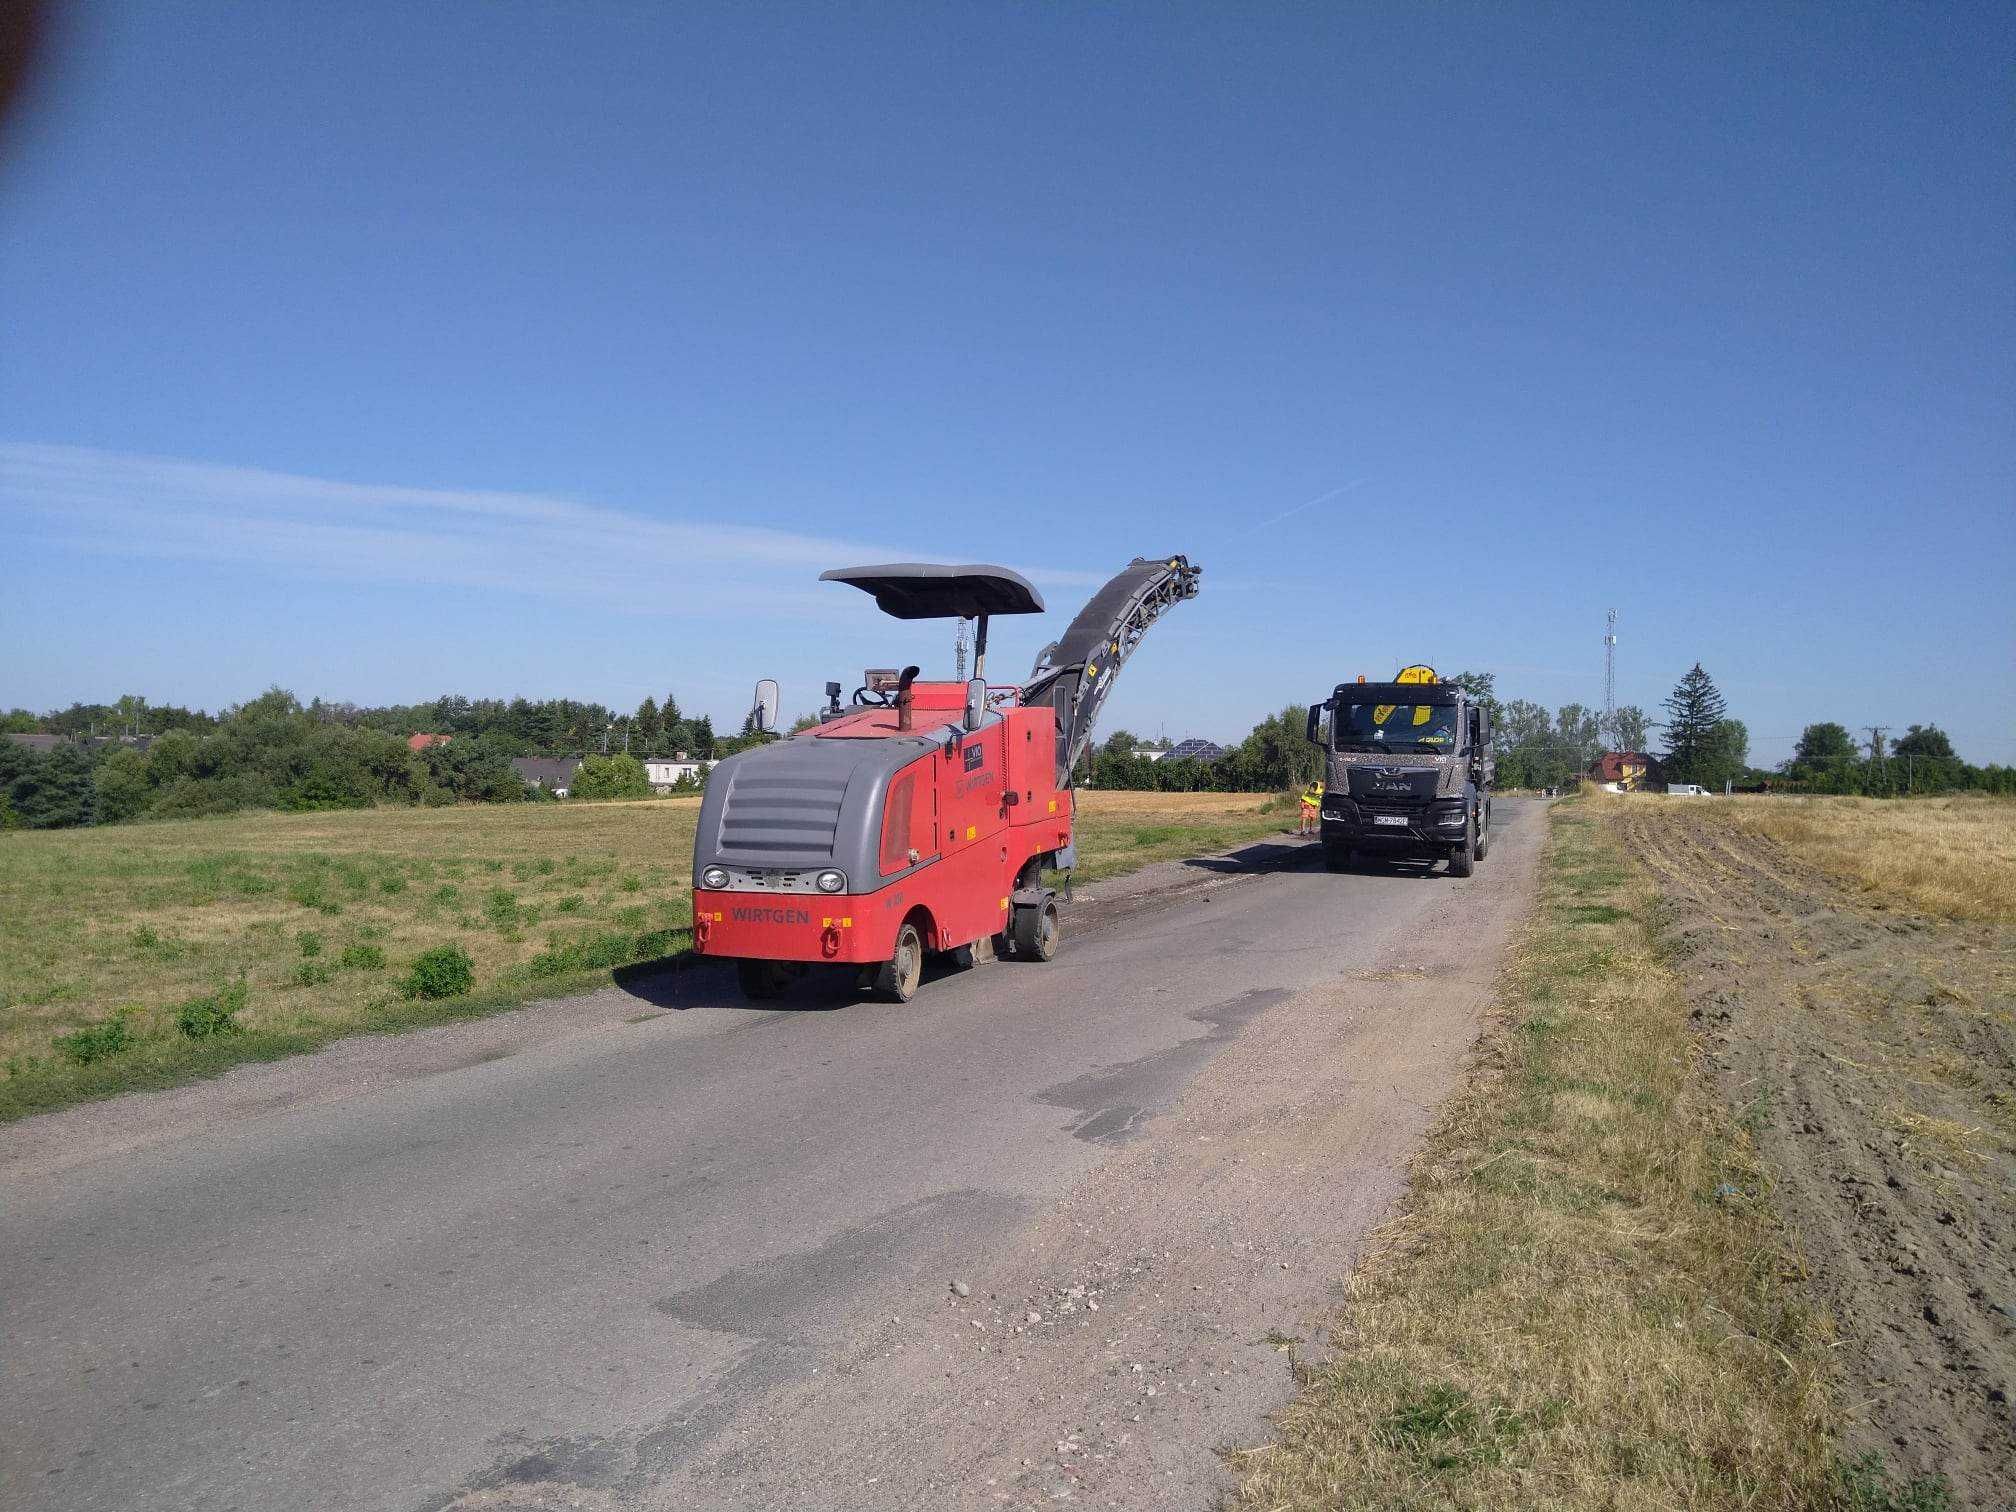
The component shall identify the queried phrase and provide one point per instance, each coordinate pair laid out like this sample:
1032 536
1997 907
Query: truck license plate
1389 819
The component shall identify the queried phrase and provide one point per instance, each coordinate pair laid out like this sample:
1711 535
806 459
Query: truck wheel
761 980
897 978
1337 857
1484 834
1464 862
1036 930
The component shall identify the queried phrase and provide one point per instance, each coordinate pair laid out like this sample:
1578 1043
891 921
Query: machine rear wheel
761 980
1036 931
897 978
1484 833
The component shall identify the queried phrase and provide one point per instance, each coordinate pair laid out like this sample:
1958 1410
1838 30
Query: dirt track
1873 1057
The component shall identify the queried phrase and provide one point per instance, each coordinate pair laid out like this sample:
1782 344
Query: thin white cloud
284 524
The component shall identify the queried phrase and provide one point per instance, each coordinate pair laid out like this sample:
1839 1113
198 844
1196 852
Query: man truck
1407 771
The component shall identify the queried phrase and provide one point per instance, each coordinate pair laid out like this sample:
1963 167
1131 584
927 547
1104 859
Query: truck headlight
1451 816
832 881
714 878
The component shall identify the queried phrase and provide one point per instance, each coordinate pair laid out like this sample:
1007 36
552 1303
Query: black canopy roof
935 590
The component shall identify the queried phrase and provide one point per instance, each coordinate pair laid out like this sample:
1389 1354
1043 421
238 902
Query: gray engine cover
803 804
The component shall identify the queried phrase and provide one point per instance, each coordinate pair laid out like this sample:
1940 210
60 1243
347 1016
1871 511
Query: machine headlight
832 881
1451 816
714 878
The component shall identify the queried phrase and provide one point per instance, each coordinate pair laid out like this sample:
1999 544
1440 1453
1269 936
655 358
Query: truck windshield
1396 727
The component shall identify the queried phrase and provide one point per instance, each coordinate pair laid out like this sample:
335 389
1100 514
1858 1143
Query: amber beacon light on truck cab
921 816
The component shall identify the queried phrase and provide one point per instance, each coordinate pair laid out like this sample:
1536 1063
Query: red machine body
978 811
923 818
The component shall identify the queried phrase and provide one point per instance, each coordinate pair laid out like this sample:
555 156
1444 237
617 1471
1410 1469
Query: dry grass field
318 919
1953 858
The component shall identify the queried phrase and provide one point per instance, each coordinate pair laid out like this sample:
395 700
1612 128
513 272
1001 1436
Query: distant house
422 742
553 773
1627 771
664 775
1149 753
1196 750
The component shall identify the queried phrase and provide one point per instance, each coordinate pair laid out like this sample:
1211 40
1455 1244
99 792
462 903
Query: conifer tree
1693 711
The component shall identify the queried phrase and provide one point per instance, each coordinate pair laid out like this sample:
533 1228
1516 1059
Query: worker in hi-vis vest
1312 809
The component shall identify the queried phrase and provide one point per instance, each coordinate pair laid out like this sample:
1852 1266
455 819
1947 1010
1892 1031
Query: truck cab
1408 772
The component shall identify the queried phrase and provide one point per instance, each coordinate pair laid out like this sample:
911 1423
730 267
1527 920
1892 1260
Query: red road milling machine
922 818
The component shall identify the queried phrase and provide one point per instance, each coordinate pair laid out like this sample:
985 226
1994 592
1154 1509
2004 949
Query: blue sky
380 351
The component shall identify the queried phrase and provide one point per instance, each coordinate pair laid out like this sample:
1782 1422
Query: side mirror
1315 731
763 713
976 702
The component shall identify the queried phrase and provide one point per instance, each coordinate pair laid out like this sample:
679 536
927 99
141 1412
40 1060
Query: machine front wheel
761 980
1036 931
896 979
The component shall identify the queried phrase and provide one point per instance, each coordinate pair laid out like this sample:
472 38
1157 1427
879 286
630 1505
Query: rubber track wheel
896 979
1036 932
760 980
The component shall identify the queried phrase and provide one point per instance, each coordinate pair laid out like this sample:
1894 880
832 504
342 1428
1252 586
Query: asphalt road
651 1248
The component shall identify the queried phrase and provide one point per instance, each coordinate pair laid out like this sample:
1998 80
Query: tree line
276 752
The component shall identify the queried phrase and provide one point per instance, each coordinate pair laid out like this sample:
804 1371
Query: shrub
96 1042
362 958
310 943
502 907
443 972
200 1018
610 777
312 974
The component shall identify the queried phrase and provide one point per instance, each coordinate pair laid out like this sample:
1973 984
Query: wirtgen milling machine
922 817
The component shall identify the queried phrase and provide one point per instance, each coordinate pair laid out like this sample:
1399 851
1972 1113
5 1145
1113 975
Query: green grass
142 955
313 923
1121 832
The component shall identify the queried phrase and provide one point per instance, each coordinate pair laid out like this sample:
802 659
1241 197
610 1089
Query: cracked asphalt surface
650 1248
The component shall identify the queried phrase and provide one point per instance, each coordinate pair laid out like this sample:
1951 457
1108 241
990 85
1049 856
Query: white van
1687 790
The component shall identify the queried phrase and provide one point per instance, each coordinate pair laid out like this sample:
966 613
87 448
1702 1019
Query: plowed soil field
1872 1056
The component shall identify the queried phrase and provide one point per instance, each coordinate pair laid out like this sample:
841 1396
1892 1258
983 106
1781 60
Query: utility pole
1610 677
1875 747
959 652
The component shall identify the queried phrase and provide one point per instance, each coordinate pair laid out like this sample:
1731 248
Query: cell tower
959 651
1610 676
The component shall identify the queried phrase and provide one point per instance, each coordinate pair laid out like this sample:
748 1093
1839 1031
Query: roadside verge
1586 1302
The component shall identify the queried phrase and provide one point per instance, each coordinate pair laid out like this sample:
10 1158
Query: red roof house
421 742
1628 769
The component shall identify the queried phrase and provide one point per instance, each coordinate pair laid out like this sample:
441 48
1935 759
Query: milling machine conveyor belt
1074 674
